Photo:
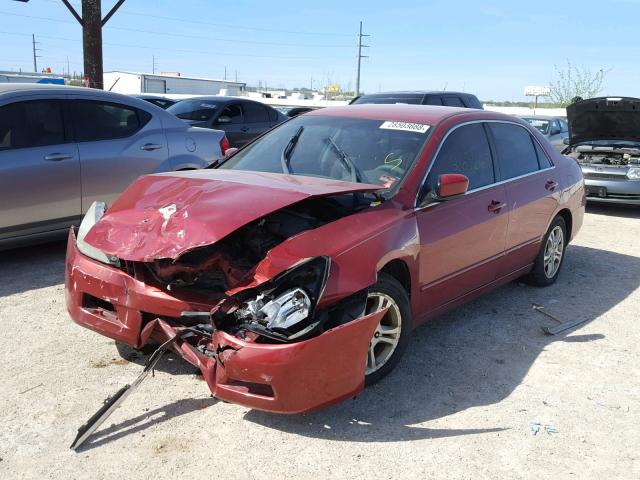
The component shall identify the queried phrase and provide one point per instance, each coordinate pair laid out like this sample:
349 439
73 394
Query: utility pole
92 23
225 72
35 54
153 68
360 57
236 76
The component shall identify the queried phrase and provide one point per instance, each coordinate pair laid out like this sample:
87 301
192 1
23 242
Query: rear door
117 144
39 169
462 239
531 185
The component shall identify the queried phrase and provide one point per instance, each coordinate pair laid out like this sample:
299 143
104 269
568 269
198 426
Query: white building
136 83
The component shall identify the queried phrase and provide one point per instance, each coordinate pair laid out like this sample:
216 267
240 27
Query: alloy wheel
553 251
387 335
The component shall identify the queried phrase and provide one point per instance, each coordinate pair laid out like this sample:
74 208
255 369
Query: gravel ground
461 404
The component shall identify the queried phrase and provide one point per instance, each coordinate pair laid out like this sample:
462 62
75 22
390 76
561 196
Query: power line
184 50
226 25
190 36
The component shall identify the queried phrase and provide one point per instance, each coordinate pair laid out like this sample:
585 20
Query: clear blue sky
491 48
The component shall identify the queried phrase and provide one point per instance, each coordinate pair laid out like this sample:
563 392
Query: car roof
429 114
414 92
541 117
48 87
217 98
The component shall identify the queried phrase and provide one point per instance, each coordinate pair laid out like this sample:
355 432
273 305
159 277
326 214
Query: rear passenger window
466 151
543 160
433 100
273 115
451 101
95 120
255 113
514 149
234 112
30 124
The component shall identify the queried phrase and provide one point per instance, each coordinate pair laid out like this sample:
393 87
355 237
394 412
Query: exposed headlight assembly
633 173
95 213
284 306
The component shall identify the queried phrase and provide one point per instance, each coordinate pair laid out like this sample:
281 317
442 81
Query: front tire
547 264
390 339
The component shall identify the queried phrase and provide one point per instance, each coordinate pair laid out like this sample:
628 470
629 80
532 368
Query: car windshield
200 110
369 151
542 125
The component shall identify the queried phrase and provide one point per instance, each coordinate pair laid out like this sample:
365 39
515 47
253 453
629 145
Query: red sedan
300 265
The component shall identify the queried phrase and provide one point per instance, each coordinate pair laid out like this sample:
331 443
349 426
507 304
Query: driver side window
465 151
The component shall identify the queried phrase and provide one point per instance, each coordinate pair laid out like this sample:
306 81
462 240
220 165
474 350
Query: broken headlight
95 213
286 303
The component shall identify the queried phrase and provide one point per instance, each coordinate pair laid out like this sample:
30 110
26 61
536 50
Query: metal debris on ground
535 427
32 388
561 327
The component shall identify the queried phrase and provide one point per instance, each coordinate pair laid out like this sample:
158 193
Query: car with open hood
293 273
604 138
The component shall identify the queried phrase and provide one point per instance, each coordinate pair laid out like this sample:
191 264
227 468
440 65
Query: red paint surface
453 252
200 208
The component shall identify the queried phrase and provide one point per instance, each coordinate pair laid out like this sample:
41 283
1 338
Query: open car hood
165 215
610 118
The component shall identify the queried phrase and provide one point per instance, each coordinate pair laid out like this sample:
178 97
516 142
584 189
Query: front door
462 239
39 169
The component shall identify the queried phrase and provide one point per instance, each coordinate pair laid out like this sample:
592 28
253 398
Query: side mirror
451 185
230 151
223 119
554 131
565 140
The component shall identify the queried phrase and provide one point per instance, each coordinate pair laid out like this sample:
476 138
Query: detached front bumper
282 378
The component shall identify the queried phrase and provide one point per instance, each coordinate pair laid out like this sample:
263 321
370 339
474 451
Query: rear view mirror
451 185
224 119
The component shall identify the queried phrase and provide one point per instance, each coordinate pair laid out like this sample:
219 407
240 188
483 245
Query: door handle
495 206
551 185
244 129
56 157
150 147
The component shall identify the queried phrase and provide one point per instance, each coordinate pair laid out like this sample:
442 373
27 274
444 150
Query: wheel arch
398 269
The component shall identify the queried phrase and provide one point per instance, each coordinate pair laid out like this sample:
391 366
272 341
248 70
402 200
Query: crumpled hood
612 118
165 215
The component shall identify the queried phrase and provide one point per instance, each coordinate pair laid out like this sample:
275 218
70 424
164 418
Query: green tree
576 81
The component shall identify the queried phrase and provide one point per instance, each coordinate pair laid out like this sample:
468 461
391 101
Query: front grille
610 176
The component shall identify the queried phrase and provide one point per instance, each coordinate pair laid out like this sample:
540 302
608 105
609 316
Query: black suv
448 99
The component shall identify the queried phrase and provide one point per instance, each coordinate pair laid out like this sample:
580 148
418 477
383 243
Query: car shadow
474 356
32 267
614 210
146 420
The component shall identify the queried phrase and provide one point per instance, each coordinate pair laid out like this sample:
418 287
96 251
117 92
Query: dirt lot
460 405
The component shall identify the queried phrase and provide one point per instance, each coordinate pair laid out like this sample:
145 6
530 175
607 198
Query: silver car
605 141
62 148
555 129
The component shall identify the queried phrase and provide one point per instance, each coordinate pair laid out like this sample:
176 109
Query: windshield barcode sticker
407 127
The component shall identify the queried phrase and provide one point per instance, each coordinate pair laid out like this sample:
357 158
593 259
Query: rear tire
547 264
390 339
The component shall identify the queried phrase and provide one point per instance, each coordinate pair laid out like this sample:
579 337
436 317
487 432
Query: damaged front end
262 340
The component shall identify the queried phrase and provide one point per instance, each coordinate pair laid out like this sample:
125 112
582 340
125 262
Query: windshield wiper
288 150
346 161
